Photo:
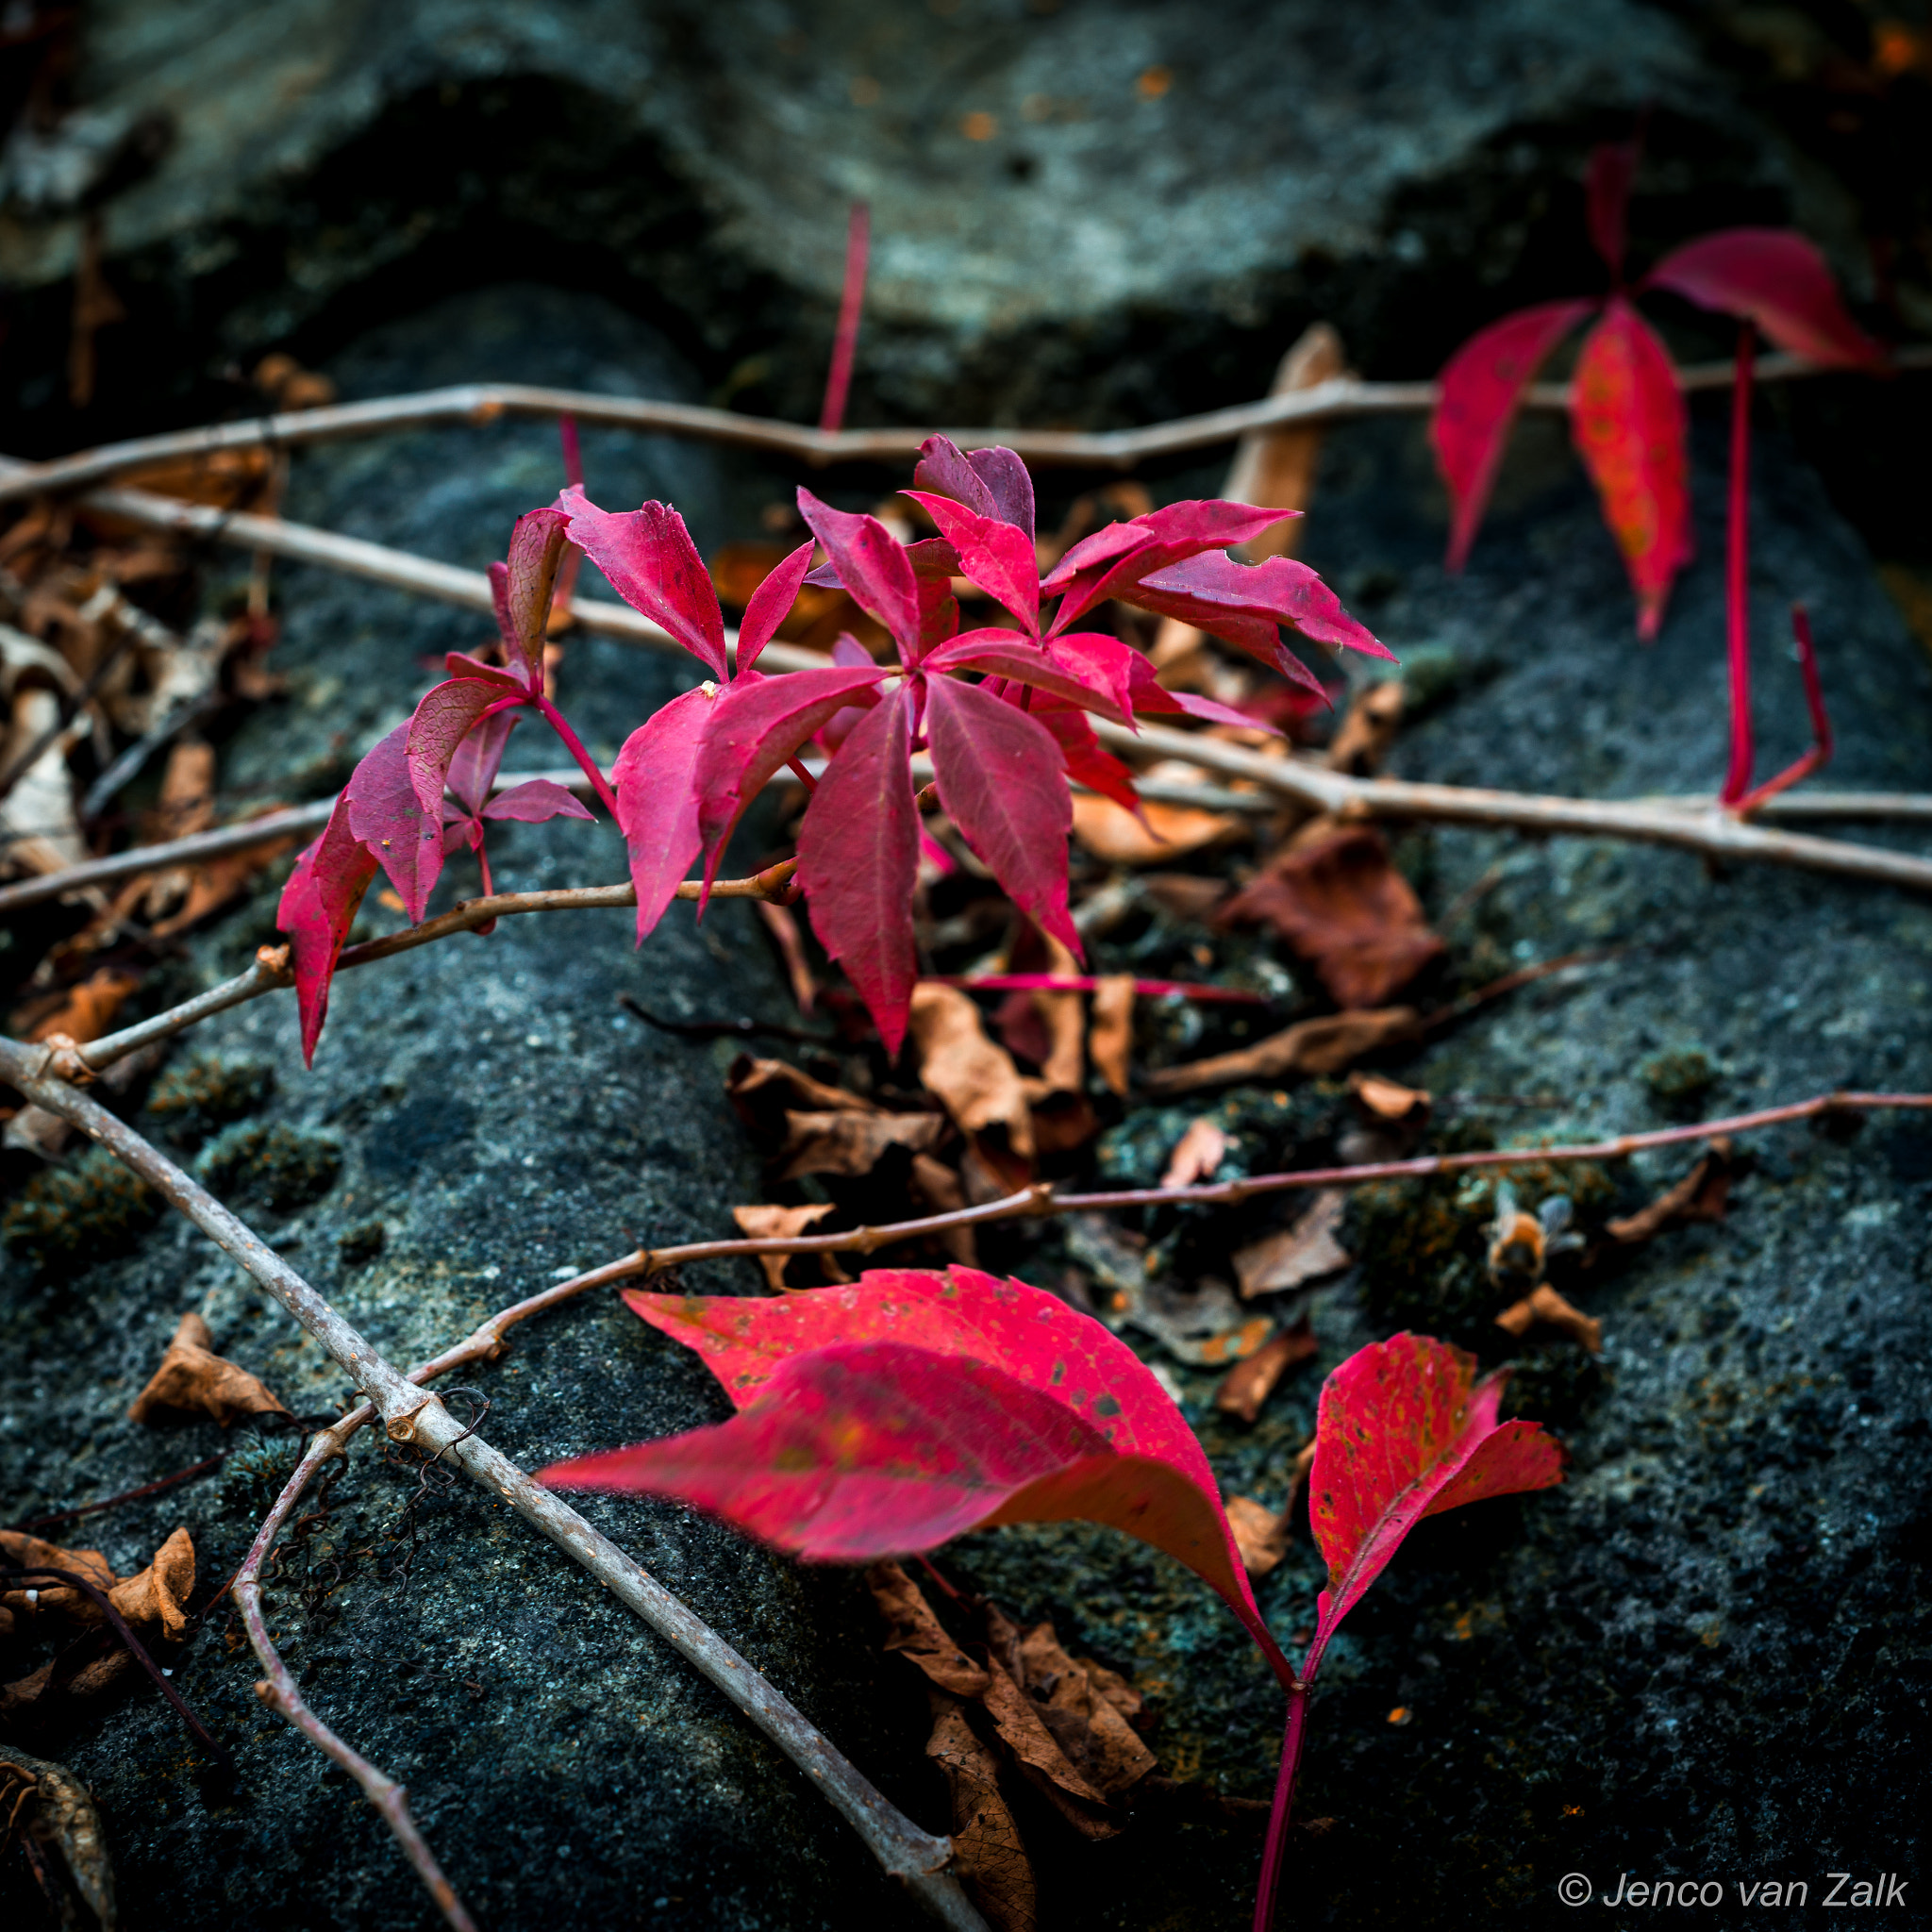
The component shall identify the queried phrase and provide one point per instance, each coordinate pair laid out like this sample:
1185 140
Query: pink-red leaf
1776 279
1002 782
871 565
1629 420
522 590
478 759
658 801
1405 1431
1089 762
535 800
445 715
1004 653
991 482
858 862
388 817
650 562
1612 169
318 906
1111 561
1034 1337
769 605
1477 398
993 554
1279 589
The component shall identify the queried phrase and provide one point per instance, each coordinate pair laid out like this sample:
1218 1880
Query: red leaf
445 715
1629 420
858 862
1111 561
991 482
1612 169
1006 654
1089 762
756 725
1478 394
769 605
993 554
386 815
317 909
535 800
522 590
478 759
1278 591
1776 279
1002 782
657 801
872 564
1047 1348
650 562
1406 1431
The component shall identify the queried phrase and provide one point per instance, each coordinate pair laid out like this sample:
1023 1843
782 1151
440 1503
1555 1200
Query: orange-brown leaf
192 1377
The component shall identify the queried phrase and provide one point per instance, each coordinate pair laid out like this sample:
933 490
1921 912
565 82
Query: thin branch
277 1687
1336 401
409 1415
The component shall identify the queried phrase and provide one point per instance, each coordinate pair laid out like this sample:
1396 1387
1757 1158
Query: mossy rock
195 1096
80 1214
274 1163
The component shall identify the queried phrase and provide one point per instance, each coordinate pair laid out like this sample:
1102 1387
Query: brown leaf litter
1111 1030
1701 1196
1249 1384
1545 1306
1317 1048
52 1811
192 1377
1301 1253
805 1126
1260 1534
781 1223
974 1078
1196 1155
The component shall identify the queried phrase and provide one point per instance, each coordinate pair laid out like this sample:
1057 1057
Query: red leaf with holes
650 562
1002 782
993 554
858 862
318 906
1477 398
769 605
445 715
388 817
1627 417
1776 279
523 588
1143 1472
871 565
1405 1431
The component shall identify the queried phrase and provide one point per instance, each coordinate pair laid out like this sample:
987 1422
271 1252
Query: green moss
78 1215
254 1477
279 1164
196 1096
1679 1081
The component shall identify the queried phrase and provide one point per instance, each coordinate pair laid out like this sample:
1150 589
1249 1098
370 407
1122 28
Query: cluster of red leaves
1627 413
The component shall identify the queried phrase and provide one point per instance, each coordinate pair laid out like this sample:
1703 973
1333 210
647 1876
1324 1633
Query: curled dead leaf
1086 1707
1197 1154
192 1377
53 1807
917 1635
762 1092
1701 1196
1363 739
936 1188
1549 1308
976 1079
780 1223
155 1599
1304 1251
1159 835
851 1144
1249 1383
19 1551
1343 908
1315 1048
1110 1035
1260 1533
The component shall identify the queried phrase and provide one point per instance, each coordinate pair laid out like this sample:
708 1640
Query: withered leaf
1546 1306
985 1841
59 1813
83 1012
851 1144
1160 834
1063 1069
156 1598
1184 895
1314 1047
1343 908
936 1188
1382 1099
1701 1196
1260 1533
192 1377
1196 1155
1298 1254
762 1092
976 1079
1087 1708
19 1551
1249 1384
918 1636
779 1223
1363 738
1110 1035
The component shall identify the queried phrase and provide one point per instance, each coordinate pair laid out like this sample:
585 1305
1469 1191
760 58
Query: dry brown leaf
780 1223
851 1144
1259 1534
1162 832
1363 739
1701 1196
1301 1253
1184 895
1549 1308
1086 1707
215 882
782 924
1038 1753
936 1188
1277 468
763 1092
1063 1070
975 1078
59 1815
1342 907
20 1551
157 1596
1315 1048
913 1631
1110 1036
1382 1099
1249 1384
192 1377
1196 1155
83 1012
985 1841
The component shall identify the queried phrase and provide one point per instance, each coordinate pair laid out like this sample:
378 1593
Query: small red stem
1821 750
573 744
1275 1850
802 775
1738 582
851 305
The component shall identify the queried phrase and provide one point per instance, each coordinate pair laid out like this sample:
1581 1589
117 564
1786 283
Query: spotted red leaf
1477 398
318 906
1404 1431
649 560
1776 279
1158 1486
1627 417
1002 782
858 862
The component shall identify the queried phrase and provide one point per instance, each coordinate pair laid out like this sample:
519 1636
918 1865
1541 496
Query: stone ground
1705 1655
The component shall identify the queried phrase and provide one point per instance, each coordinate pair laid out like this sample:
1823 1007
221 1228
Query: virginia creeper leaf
387 815
1405 1431
858 862
1108 565
1629 420
1006 654
1279 589
650 562
1606 189
1089 762
444 717
1776 279
871 565
1002 782
478 759
657 803
535 800
523 588
1008 482
995 555
769 605
318 906
1478 398
945 470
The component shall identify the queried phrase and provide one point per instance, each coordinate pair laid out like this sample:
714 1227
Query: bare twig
1335 401
410 1415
